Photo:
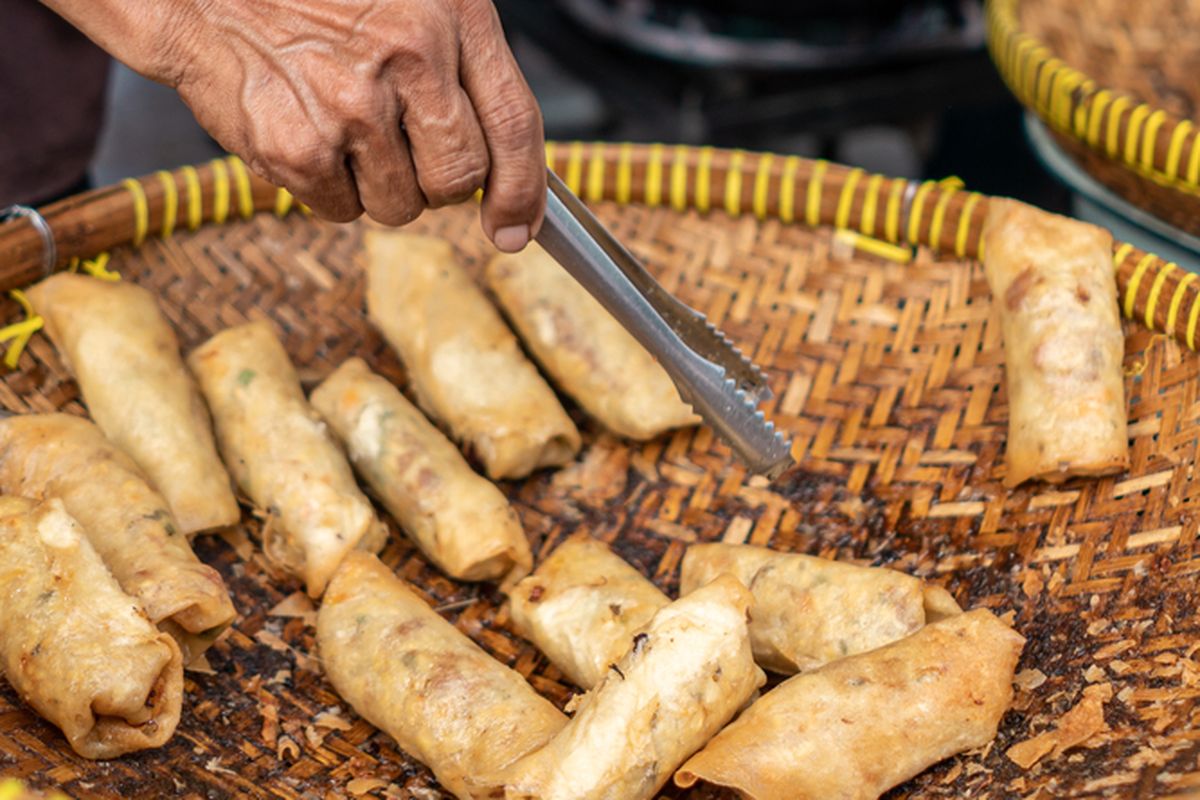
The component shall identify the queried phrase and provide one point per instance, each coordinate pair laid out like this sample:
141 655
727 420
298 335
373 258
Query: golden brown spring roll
859 726
124 354
283 456
412 674
582 607
125 520
460 520
1053 283
809 611
584 349
76 648
465 365
686 674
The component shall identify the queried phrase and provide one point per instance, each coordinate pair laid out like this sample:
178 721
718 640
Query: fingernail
511 238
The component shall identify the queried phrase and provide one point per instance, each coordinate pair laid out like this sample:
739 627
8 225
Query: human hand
387 106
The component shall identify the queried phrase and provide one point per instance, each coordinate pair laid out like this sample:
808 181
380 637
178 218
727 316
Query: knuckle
516 122
453 179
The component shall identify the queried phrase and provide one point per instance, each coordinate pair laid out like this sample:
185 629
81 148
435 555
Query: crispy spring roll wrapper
127 523
76 648
685 675
1052 280
460 520
859 726
465 365
809 611
582 607
584 349
282 455
415 676
125 357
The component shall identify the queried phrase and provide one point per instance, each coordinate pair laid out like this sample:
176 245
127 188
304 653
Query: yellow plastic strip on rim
846 199
1134 280
283 202
1113 129
170 202
787 189
241 179
1080 121
574 176
195 199
1047 76
1192 178
141 210
1133 133
1193 315
654 175
895 199
1122 253
595 174
1175 151
918 208
812 206
733 184
1155 289
220 191
1150 137
1060 101
703 201
19 332
762 184
939 216
871 205
551 152
869 244
1096 115
625 173
964 225
679 178
1177 300
1034 58
1020 61
96 267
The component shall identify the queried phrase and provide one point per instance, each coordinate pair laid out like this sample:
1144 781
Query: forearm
143 34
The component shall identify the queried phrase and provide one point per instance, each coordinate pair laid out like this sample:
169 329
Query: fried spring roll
1052 280
127 523
125 357
461 521
809 611
282 455
859 726
686 674
412 674
582 607
76 648
465 365
584 349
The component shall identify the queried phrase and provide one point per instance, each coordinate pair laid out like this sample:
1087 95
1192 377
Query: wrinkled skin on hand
382 106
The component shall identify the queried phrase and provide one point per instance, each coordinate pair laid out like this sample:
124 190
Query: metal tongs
721 384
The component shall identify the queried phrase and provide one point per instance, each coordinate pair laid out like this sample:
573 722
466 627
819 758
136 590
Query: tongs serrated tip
722 385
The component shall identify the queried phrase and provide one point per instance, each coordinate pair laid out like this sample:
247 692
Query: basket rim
1135 136
880 215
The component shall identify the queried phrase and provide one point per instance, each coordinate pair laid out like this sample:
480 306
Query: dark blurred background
903 87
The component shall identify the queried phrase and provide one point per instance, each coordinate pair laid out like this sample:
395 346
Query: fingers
448 146
515 195
385 176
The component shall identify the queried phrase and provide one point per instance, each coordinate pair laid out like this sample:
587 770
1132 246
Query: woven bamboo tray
1144 153
889 376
